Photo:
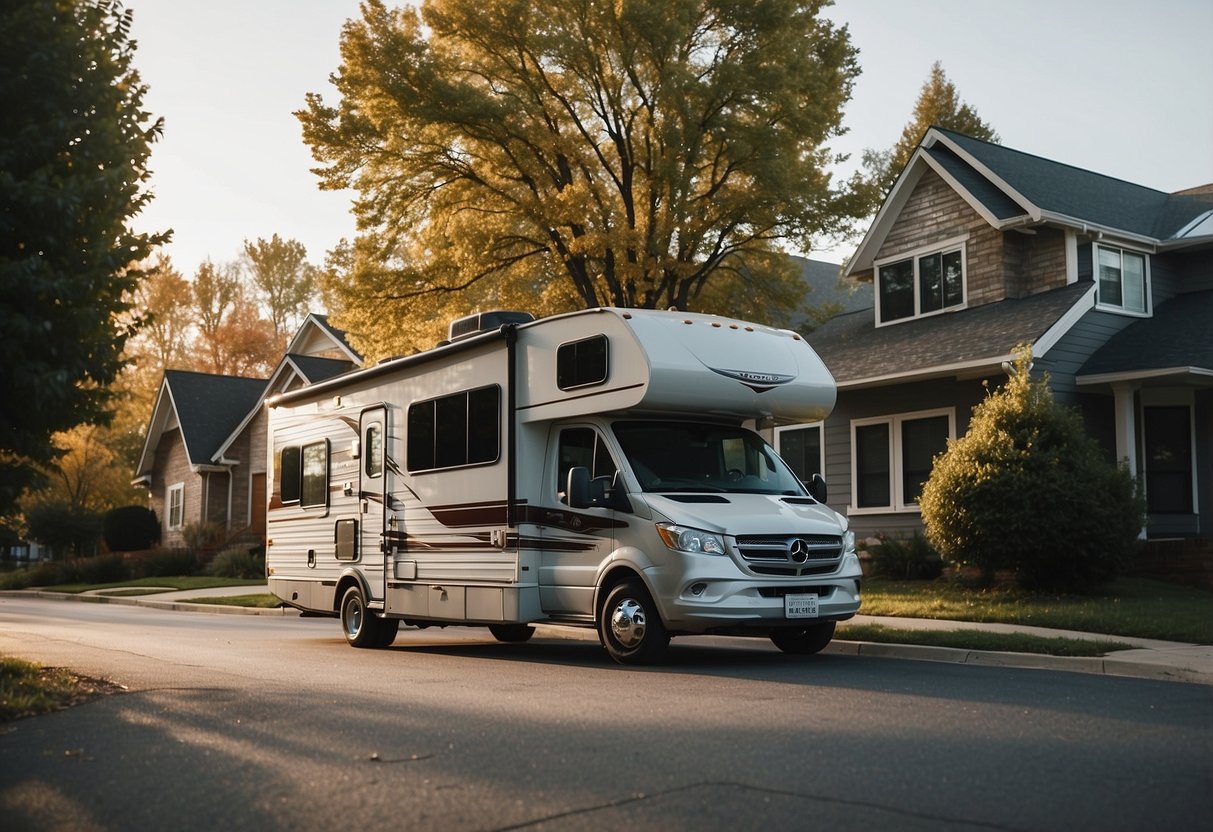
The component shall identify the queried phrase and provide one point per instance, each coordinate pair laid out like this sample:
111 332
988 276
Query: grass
1134 607
979 640
28 689
186 582
262 600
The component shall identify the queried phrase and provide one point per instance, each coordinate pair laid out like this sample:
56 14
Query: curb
1100 665
149 601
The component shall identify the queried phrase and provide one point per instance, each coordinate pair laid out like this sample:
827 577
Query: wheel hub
627 623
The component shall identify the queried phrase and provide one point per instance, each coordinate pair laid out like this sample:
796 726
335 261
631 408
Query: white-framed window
174 501
891 457
923 282
803 449
1123 279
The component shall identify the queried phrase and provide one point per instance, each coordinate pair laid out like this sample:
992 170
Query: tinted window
455 430
289 469
582 363
315 487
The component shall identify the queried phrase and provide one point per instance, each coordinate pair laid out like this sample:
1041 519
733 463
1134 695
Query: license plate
800 606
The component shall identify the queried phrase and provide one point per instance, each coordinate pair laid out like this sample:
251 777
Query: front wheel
802 641
361 627
629 626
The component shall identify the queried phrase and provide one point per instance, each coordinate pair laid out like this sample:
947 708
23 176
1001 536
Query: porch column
1126 426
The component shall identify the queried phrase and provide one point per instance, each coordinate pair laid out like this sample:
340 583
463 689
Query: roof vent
485 322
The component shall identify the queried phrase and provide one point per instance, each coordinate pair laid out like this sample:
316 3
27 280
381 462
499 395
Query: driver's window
582 447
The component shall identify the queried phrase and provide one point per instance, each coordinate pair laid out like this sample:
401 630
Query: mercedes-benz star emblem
798 550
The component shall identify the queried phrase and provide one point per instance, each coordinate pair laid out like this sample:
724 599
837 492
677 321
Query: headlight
682 539
848 542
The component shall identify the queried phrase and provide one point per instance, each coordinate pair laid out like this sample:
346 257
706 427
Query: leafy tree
1026 489
938 105
74 145
285 281
64 527
576 152
216 291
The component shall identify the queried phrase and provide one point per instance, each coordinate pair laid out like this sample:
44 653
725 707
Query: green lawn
187 582
1127 607
978 640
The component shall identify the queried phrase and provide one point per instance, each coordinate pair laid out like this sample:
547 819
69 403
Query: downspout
510 331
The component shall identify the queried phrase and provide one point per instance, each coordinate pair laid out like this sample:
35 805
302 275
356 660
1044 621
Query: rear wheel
802 641
629 627
361 627
512 633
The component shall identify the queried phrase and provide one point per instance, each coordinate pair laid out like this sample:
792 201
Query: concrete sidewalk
1149 658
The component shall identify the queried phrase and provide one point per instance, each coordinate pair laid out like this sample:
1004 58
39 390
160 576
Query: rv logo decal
758 382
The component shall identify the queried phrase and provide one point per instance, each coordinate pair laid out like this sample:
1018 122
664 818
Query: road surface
243 722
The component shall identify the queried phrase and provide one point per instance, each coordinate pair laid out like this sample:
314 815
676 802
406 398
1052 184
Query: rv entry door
373 491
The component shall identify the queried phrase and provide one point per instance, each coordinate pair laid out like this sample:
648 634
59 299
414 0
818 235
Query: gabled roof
1010 188
828 286
316 335
205 407
1176 341
859 354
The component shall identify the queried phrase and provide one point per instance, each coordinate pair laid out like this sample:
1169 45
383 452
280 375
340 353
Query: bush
910 558
105 569
1027 490
236 563
130 529
204 535
63 526
169 563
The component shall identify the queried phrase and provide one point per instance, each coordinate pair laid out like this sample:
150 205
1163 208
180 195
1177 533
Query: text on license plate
800 606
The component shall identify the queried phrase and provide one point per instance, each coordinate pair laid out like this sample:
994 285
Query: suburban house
204 455
979 248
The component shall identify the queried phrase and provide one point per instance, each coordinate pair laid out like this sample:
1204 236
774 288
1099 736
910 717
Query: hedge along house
979 248
204 454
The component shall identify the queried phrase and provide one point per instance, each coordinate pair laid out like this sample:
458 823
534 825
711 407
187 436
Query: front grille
790 555
821 590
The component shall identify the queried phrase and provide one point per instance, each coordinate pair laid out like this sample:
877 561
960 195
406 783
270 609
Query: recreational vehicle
599 468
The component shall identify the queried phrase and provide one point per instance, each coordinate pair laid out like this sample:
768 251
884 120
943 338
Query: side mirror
577 487
817 488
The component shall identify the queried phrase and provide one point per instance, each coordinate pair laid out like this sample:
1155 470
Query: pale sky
1121 88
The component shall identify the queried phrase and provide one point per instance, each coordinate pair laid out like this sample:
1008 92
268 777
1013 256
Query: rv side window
461 429
582 363
289 470
374 449
314 490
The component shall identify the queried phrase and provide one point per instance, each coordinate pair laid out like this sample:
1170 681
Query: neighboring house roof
860 354
316 332
1177 340
829 288
313 368
205 407
1011 188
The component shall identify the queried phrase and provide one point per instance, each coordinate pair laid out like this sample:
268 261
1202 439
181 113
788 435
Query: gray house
204 454
979 248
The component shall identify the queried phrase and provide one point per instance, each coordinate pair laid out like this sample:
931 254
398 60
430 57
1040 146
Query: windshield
677 456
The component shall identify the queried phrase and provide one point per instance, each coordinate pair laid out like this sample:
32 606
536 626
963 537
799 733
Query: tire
361 627
512 633
804 641
629 625
388 627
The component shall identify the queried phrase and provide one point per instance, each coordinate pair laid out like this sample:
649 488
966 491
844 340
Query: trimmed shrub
105 569
911 558
199 536
130 529
236 563
1027 490
169 563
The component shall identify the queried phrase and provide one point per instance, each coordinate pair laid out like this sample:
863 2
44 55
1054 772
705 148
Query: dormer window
1123 280
924 283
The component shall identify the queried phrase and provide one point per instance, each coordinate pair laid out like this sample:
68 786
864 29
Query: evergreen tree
938 105
74 147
